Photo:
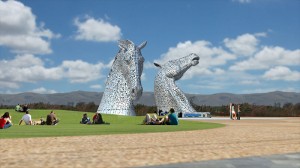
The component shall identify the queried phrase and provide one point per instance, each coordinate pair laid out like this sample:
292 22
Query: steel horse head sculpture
123 84
167 95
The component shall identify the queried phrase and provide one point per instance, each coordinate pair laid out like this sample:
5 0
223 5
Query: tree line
249 110
252 110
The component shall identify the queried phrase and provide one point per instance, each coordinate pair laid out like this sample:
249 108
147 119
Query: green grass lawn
69 125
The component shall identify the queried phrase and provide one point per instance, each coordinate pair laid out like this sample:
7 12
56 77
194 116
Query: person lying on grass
170 119
153 120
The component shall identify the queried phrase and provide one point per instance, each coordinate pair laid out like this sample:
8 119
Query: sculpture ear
157 65
141 46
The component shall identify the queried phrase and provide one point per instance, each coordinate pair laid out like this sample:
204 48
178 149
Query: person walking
238 112
233 113
230 112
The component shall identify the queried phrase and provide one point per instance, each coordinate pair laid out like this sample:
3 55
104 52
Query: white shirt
26 118
232 108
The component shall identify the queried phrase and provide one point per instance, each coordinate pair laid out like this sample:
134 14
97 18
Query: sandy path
238 139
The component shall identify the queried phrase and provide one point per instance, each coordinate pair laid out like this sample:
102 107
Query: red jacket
2 123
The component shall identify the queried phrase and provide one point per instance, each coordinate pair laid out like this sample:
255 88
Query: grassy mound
69 125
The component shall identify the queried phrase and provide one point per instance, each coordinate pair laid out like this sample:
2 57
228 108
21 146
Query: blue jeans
7 125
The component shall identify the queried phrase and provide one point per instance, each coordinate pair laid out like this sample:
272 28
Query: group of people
97 119
170 119
6 121
51 119
234 115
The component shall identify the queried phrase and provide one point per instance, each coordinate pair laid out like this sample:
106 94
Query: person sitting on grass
97 119
85 119
5 121
41 122
153 120
172 118
25 108
18 108
27 119
51 119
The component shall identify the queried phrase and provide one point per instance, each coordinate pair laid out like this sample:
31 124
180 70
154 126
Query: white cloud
43 90
109 65
262 34
269 57
80 72
208 54
96 86
219 71
250 64
282 73
143 77
193 72
242 1
225 69
30 69
210 57
249 82
9 84
243 45
18 30
92 29
27 68
212 86
278 56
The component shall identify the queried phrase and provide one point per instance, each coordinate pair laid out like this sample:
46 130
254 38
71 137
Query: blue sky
245 46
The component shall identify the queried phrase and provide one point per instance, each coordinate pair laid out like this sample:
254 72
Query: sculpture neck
116 97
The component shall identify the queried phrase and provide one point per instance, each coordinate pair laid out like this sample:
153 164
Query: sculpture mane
123 84
167 95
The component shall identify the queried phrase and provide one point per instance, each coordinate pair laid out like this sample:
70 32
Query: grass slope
69 125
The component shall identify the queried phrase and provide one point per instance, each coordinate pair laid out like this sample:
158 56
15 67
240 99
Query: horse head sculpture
167 95
123 84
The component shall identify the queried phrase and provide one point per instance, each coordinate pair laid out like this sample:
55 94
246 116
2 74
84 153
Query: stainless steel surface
123 84
167 95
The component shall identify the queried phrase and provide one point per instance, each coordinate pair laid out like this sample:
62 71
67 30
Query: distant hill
72 98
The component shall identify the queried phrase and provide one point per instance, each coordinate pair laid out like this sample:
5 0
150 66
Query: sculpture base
196 115
127 112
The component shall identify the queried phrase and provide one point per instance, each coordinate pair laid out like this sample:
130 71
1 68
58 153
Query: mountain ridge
217 99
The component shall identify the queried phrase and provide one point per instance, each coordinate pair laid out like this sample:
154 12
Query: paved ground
291 160
227 118
250 139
